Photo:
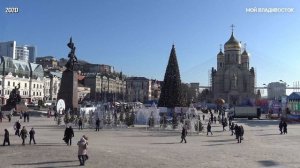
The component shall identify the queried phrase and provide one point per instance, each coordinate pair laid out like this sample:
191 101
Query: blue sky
136 36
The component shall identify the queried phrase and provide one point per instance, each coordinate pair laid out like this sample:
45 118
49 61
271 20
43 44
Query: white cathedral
233 80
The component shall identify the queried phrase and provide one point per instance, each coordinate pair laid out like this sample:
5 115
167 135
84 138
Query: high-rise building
32 53
8 49
22 53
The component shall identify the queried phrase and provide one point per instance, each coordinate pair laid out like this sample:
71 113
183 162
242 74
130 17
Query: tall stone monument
69 82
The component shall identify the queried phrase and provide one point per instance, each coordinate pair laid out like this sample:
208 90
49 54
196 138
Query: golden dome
232 44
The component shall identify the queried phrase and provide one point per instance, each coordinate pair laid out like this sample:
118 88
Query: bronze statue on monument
69 82
72 57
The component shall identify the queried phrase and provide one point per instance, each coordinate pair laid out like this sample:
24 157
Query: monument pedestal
68 90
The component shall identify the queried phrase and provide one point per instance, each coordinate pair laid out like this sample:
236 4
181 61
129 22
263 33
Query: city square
149 84
262 146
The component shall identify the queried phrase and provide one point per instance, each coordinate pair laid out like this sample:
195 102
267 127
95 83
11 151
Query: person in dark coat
203 117
284 127
69 133
31 136
224 125
23 135
209 129
238 134
17 128
241 133
9 117
97 124
6 137
236 131
25 116
80 123
280 126
183 133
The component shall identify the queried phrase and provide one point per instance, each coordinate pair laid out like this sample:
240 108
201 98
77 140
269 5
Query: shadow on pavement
269 134
77 165
164 143
51 144
49 162
254 123
268 163
221 140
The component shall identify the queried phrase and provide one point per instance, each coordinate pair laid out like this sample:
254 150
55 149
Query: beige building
138 89
28 76
106 87
233 80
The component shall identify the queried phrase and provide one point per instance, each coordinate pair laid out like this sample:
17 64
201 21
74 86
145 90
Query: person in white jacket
82 150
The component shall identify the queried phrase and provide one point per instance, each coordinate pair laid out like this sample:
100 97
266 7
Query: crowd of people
21 131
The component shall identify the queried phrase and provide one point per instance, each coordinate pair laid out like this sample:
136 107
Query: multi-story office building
32 53
8 49
22 53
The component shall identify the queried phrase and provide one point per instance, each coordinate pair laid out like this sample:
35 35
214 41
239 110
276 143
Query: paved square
263 146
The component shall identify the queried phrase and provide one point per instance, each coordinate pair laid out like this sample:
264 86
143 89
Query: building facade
138 89
28 77
8 49
233 80
22 53
106 87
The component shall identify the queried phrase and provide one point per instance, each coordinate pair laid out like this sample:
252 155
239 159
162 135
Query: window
25 84
33 93
0 82
33 85
13 83
8 83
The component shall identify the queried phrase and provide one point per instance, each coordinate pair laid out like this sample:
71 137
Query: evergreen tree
171 89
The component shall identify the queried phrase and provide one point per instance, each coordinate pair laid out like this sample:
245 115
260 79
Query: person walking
82 150
23 135
232 128
236 127
97 124
6 137
27 116
280 126
209 129
224 125
9 117
183 133
203 117
241 133
17 127
80 123
238 133
284 127
31 136
69 133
